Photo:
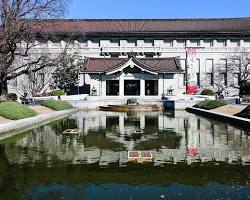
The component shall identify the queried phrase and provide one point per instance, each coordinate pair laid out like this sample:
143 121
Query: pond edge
13 128
219 116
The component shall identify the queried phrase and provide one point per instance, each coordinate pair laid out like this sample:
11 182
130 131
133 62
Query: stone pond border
15 127
239 121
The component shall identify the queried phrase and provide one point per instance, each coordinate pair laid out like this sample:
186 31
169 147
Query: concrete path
4 120
229 109
229 118
41 109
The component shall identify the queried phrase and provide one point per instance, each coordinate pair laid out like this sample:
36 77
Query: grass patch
15 111
210 104
56 105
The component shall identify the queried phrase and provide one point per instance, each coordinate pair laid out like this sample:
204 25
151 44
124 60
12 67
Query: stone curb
13 128
226 118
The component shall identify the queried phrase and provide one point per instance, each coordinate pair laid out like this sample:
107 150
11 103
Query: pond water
193 158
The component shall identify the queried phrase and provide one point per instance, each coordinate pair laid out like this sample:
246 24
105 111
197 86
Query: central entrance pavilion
131 76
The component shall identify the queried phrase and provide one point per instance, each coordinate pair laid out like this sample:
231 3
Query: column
121 86
142 87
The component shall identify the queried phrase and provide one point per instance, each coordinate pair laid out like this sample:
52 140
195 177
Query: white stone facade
215 50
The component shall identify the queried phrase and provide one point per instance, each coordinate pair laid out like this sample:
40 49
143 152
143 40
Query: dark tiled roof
167 65
223 25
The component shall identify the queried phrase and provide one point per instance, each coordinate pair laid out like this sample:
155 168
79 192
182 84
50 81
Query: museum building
147 57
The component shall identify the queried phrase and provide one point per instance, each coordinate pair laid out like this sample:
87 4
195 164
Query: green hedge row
210 104
57 92
207 92
56 105
14 110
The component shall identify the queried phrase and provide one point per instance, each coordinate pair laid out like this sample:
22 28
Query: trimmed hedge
57 92
210 104
207 92
12 96
56 105
244 113
14 110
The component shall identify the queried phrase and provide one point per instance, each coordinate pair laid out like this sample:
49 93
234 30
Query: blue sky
158 8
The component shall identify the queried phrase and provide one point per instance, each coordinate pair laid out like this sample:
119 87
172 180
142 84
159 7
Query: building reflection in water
107 136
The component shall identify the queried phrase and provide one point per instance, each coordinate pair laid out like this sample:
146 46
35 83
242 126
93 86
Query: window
210 79
181 43
208 43
114 55
148 43
112 87
221 43
151 87
211 43
198 79
198 43
236 77
235 43
131 43
223 78
132 87
114 43
149 55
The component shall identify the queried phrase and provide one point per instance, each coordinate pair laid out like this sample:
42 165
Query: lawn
56 105
15 111
210 104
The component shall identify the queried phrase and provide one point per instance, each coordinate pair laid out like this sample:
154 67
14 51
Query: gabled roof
116 26
150 65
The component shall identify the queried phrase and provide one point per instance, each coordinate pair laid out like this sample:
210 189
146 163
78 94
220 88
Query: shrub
12 96
15 110
57 92
56 105
210 104
207 92
244 113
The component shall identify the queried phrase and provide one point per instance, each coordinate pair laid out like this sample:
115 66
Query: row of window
170 43
132 88
220 79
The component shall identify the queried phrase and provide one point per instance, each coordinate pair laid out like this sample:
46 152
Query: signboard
191 71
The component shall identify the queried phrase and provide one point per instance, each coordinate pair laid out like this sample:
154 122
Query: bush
57 92
56 105
12 96
210 104
15 110
207 92
244 113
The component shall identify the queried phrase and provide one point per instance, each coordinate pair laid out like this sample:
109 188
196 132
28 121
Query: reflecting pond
193 158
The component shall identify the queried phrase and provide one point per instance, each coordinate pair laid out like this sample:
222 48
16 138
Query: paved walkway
229 109
41 109
4 120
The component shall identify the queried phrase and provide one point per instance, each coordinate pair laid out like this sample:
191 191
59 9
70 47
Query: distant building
146 58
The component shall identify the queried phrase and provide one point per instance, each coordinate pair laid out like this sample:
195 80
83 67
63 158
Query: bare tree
19 25
234 73
35 83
